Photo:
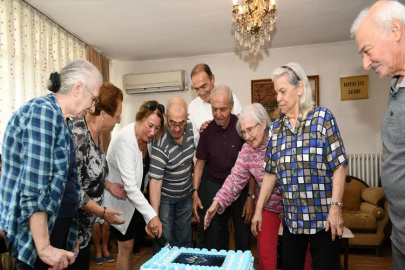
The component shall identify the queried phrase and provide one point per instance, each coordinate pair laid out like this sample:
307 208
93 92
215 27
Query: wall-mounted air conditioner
155 82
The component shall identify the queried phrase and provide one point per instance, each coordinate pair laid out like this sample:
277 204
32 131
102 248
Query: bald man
171 176
380 37
219 146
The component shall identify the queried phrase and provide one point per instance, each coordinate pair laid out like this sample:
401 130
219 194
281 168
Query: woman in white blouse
128 160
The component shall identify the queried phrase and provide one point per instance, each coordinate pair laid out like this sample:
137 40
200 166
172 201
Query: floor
359 259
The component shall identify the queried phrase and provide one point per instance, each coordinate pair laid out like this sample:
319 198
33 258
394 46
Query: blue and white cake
199 259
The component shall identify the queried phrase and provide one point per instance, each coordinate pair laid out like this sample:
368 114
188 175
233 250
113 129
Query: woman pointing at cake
253 126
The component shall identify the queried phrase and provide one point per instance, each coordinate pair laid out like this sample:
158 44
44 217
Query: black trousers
325 253
58 239
217 234
82 261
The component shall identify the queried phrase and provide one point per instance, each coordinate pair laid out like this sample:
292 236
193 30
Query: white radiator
367 167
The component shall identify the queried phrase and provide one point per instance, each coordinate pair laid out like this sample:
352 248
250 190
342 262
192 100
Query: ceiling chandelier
253 21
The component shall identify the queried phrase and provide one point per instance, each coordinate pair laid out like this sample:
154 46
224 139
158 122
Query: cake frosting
199 259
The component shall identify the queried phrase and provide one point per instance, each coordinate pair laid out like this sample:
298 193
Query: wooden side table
347 234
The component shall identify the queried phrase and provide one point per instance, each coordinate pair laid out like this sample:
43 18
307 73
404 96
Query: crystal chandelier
253 22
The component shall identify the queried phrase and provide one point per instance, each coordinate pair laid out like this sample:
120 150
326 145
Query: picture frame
262 91
314 82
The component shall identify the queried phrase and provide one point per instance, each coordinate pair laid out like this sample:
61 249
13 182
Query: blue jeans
176 220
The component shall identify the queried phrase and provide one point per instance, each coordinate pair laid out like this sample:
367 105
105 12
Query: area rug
141 260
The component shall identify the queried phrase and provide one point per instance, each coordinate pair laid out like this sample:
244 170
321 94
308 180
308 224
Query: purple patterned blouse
249 163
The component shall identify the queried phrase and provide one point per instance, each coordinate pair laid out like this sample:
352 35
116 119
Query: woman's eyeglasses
95 99
151 105
119 117
249 131
287 67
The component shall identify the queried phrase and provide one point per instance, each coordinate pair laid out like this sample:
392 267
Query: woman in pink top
253 126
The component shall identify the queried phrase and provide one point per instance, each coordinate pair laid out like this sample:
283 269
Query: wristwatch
194 189
252 196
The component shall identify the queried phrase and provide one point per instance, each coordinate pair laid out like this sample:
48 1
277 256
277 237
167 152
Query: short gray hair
226 89
258 114
383 17
78 70
306 102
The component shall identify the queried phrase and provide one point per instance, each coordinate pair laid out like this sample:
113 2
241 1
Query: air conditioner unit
155 82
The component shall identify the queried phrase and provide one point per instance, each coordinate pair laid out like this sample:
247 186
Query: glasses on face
95 99
171 123
119 117
249 131
287 67
151 105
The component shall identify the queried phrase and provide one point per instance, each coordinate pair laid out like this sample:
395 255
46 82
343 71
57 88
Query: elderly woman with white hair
39 187
253 126
306 159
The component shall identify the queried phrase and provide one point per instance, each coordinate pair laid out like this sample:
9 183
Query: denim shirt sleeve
38 152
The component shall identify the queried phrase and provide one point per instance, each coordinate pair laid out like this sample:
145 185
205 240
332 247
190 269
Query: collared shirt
393 173
303 161
92 169
249 163
35 153
220 147
171 162
201 111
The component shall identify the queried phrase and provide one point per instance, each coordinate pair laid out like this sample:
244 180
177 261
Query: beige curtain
32 47
103 64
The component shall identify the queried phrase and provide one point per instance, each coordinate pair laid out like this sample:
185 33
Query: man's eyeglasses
95 99
287 67
175 124
249 130
152 105
119 117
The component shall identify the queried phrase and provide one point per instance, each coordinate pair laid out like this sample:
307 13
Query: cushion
374 195
372 209
358 221
351 197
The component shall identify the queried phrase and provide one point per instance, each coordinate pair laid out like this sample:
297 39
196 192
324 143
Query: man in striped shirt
171 176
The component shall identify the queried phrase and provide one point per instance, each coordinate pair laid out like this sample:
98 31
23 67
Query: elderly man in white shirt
200 108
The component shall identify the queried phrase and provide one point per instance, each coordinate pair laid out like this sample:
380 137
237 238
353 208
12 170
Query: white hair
383 17
75 71
227 90
306 102
258 114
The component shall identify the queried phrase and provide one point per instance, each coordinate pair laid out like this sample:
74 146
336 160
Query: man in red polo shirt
219 145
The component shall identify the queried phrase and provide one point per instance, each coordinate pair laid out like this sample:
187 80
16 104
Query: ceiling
138 30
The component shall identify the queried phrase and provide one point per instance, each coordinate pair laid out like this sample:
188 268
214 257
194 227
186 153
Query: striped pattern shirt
36 154
171 163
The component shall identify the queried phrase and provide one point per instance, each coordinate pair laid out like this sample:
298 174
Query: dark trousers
82 261
217 234
325 253
58 239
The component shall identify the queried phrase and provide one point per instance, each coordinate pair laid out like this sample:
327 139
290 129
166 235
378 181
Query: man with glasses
200 108
171 176
219 146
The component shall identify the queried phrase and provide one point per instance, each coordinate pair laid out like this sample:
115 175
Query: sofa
365 213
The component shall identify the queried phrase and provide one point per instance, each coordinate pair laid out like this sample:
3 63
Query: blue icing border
156 262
